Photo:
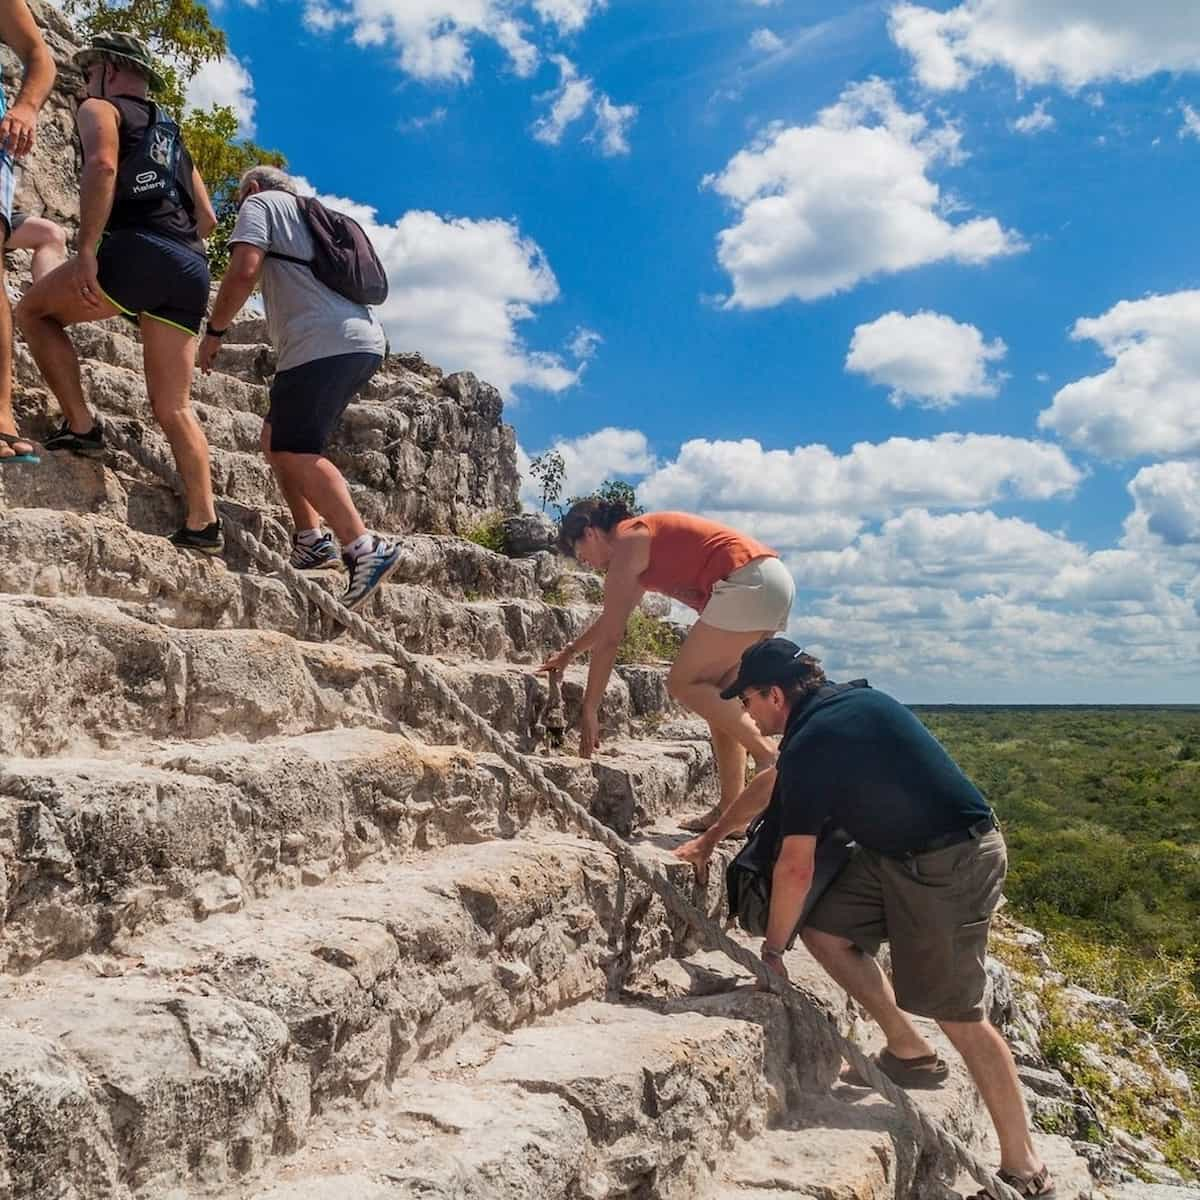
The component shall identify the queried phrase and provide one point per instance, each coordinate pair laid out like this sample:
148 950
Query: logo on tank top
160 147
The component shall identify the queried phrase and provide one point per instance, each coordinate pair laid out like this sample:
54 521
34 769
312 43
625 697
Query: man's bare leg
860 975
323 488
990 1062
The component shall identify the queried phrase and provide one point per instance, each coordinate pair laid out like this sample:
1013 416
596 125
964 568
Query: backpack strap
303 262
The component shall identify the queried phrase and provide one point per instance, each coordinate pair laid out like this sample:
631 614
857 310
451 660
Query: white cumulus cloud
822 207
590 460
1167 499
573 99
1145 403
1037 120
928 358
1071 43
460 290
766 41
1191 121
952 470
225 81
569 15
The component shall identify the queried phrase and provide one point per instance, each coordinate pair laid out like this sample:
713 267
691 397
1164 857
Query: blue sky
905 289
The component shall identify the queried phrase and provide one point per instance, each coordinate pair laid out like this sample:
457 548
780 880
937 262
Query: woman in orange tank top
739 588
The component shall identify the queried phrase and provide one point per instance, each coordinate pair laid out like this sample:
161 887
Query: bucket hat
122 48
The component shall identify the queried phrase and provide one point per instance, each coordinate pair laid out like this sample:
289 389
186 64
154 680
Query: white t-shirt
305 319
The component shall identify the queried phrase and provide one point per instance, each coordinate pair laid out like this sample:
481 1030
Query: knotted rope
156 460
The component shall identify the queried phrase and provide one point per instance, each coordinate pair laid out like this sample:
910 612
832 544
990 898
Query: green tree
548 470
617 491
182 38
179 33
614 491
211 138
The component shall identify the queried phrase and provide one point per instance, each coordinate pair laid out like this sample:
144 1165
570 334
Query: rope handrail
652 874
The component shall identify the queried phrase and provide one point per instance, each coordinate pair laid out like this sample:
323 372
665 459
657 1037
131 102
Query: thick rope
652 874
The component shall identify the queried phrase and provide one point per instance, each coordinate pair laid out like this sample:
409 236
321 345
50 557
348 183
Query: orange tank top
689 554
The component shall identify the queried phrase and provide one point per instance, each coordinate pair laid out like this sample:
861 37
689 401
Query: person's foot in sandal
1040 1183
927 1071
17 449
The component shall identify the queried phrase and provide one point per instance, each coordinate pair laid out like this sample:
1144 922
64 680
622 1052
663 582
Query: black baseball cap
775 661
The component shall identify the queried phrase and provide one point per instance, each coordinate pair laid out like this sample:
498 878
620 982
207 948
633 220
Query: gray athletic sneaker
368 570
322 555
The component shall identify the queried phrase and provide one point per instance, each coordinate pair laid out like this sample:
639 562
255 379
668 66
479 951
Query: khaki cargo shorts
934 909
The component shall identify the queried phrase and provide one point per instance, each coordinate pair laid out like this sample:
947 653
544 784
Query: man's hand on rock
774 963
697 852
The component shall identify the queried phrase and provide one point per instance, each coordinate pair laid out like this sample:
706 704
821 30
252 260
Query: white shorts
756 596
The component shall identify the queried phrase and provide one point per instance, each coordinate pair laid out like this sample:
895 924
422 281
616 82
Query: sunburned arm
790 882
206 217
99 128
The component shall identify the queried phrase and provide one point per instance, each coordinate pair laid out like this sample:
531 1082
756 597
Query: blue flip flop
11 440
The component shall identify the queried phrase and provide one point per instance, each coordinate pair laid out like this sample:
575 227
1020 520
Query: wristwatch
209 331
770 952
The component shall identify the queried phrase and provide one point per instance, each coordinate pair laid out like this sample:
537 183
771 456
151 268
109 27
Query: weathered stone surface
216 1043
100 848
528 533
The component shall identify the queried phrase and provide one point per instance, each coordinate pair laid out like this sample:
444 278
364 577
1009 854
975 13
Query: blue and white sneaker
322 555
368 570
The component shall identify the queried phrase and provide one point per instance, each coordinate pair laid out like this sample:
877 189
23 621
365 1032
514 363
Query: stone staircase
272 926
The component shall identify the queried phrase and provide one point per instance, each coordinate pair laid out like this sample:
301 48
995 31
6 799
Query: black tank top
161 217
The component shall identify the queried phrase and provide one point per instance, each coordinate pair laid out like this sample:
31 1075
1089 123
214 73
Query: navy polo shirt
863 762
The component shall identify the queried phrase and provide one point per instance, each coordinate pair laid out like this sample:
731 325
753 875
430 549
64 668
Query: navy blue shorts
307 401
146 274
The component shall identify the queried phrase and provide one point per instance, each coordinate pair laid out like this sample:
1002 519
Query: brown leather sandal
1040 1184
928 1071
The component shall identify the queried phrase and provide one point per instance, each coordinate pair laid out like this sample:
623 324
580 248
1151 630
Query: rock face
529 533
273 925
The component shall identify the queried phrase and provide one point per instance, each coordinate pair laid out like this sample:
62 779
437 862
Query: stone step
550 1112
47 553
97 847
204 1048
450 565
414 457
85 672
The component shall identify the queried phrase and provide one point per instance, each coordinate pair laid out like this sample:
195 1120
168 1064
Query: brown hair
589 514
808 677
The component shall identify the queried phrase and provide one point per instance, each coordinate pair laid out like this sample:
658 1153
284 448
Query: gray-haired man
328 347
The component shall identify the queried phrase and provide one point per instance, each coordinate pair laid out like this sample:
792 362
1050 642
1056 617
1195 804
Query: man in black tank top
140 259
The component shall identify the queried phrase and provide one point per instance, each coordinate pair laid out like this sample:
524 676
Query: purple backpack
343 258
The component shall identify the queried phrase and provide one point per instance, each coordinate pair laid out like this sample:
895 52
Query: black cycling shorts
308 401
146 274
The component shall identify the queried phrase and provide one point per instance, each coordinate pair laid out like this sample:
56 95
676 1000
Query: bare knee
821 944
171 413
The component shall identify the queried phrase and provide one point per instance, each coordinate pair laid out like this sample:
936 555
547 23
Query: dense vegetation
1101 811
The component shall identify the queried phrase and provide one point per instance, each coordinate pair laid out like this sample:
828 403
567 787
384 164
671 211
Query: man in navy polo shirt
926 876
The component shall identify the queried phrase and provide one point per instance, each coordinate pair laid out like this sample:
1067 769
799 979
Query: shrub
648 639
488 532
